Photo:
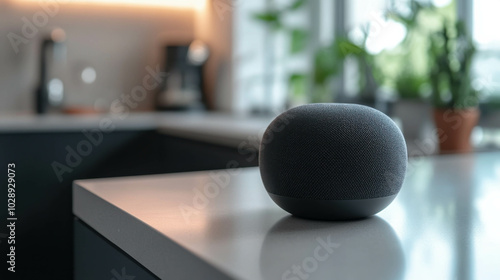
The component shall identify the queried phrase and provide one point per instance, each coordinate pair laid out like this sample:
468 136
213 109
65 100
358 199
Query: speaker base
332 210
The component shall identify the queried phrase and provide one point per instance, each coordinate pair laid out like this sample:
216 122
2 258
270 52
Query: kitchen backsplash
122 44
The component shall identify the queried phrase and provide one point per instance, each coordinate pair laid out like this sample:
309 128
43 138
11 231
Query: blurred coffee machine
183 87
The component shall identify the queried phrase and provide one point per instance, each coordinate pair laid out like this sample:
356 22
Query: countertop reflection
363 249
222 225
446 217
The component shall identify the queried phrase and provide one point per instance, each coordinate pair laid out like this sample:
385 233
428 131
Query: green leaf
409 85
346 48
298 84
326 64
298 40
271 18
296 5
451 54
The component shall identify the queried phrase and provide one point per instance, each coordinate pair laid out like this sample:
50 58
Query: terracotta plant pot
454 128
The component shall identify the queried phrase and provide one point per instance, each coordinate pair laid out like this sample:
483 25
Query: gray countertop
221 224
218 128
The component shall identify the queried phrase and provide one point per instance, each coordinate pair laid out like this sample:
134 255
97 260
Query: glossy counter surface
214 225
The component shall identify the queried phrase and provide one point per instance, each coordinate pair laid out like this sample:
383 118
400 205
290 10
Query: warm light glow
183 4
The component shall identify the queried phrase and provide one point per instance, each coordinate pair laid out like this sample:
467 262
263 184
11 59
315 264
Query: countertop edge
163 257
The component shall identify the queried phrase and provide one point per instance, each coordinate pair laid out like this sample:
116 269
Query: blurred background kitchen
254 57
104 88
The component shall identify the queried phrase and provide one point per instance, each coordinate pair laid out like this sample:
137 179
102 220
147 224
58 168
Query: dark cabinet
44 210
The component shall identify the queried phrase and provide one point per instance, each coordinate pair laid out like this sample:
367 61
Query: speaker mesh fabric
333 152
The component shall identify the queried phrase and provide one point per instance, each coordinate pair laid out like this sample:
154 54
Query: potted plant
455 101
315 86
409 77
328 63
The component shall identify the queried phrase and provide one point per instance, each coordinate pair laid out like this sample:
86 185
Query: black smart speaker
333 161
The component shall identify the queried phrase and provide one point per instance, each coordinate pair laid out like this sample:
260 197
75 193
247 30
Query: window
485 22
263 63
